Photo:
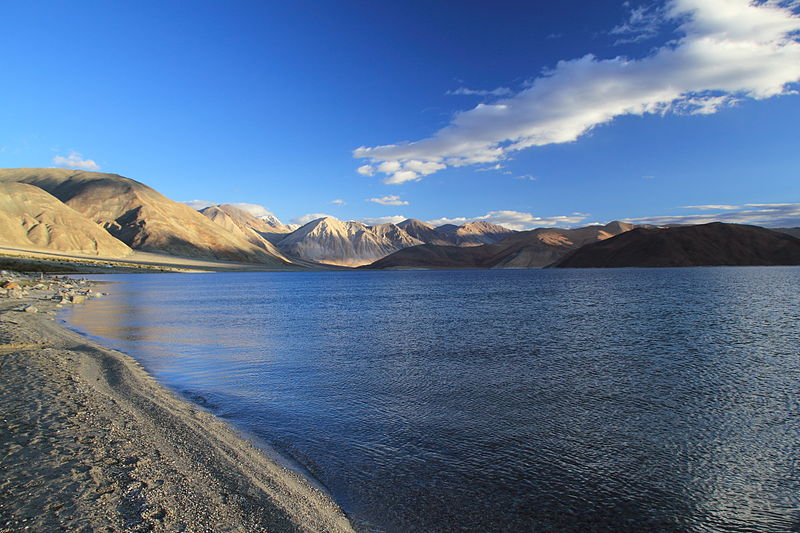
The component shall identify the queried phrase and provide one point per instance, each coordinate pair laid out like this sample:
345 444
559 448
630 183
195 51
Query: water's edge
281 458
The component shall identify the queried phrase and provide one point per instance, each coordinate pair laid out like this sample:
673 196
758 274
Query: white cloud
643 23
515 220
770 215
305 219
727 50
401 176
393 219
498 166
709 207
253 209
338 202
389 167
463 91
75 160
528 177
366 170
392 199
198 204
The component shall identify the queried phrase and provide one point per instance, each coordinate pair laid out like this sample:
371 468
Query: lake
498 400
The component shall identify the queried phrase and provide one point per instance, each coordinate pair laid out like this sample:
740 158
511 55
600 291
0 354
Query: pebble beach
89 441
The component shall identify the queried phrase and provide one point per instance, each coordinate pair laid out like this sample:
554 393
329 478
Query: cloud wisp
256 210
197 205
515 220
770 215
709 207
305 219
376 221
463 91
75 160
644 23
726 50
391 199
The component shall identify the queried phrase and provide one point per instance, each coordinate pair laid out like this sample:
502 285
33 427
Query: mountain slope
424 232
541 247
474 233
794 232
244 225
714 244
398 237
527 249
329 240
32 218
139 216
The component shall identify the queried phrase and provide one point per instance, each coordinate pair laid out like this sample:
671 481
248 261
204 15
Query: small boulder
10 285
77 298
31 309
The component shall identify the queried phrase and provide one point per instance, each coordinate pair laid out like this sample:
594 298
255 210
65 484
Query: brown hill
714 244
30 218
244 225
424 232
474 233
794 232
139 216
526 249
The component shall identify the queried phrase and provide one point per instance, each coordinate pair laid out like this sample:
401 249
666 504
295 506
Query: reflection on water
589 400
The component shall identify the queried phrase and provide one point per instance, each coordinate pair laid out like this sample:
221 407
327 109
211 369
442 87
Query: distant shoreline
93 441
21 260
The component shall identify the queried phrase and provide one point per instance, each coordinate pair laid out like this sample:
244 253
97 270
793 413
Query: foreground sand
89 441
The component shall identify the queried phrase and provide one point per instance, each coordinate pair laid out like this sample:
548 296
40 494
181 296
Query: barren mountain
424 232
139 216
474 233
526 249
329 240
542 247
395 235
703 245
244 225
31 218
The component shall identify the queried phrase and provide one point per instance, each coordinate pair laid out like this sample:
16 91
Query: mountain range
111 216
714 244
108 215
526 249
140 217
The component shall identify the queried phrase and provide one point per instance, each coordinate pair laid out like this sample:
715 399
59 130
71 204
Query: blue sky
522 113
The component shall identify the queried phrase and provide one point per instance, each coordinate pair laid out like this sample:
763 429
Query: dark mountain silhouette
714 244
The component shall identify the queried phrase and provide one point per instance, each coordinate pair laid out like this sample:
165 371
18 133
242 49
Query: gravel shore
89 441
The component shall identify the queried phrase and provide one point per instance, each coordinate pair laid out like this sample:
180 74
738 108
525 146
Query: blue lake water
527 400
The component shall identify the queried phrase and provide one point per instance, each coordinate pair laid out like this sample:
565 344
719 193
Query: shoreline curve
91 440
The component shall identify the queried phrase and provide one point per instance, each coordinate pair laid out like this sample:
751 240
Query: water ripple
591 400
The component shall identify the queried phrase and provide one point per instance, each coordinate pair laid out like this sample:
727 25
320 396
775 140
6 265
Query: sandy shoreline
90 441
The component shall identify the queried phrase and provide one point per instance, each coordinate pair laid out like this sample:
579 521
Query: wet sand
89 441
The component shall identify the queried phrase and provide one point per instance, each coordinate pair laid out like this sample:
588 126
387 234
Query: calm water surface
545 400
